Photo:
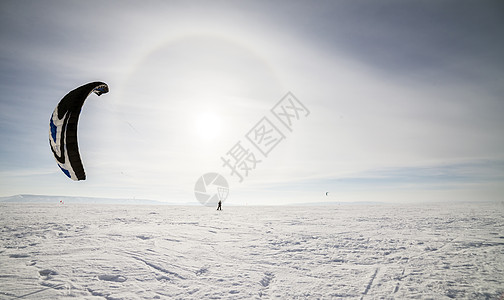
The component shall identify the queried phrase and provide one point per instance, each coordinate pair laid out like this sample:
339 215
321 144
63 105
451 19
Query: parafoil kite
63 129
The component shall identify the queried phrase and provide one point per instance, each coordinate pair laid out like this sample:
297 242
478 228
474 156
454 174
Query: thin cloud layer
390 85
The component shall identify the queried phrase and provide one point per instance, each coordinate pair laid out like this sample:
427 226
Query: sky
389 101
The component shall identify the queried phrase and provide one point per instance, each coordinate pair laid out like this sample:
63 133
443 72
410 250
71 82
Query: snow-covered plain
76 251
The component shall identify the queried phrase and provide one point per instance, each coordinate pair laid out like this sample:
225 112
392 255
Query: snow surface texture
51 251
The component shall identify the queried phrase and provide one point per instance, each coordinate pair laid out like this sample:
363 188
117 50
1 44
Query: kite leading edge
63 129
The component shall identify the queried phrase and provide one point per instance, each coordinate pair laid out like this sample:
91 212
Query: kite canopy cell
63 129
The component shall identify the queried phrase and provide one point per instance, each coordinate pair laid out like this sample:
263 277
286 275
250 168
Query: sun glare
207 125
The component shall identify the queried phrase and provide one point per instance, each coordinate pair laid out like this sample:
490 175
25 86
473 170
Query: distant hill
26 198
68 199
336 203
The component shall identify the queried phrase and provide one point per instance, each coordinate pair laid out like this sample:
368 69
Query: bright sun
207 125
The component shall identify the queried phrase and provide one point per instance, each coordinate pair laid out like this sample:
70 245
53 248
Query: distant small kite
326 193
63 129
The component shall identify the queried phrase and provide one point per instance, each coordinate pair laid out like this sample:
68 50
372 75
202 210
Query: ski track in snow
164 252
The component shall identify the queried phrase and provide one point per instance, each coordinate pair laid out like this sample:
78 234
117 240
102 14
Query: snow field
51 251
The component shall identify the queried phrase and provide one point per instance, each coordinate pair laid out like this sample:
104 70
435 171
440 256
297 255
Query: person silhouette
219 205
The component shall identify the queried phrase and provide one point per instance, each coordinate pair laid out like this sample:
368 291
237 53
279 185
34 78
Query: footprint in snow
201 271
19 255
114 278
31 262
47 272
266 280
